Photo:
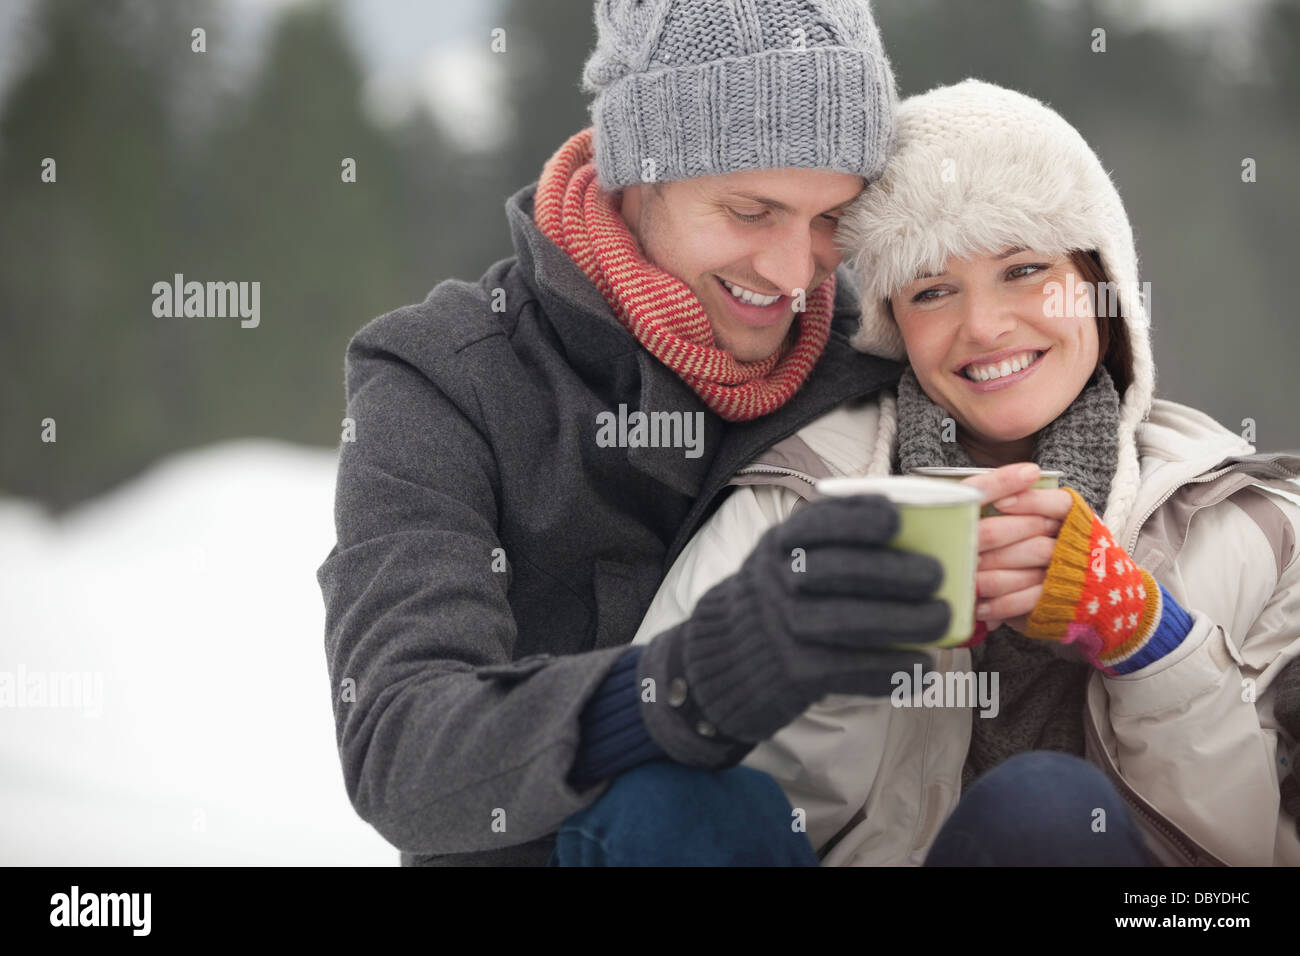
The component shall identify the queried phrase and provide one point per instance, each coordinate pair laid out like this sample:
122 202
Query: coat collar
593 338
587 327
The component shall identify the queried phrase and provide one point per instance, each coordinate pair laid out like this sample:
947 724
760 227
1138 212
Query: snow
191 593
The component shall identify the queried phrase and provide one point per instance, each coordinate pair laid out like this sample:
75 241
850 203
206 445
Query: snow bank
190 596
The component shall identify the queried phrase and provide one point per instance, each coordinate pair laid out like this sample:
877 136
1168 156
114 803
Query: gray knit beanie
690 88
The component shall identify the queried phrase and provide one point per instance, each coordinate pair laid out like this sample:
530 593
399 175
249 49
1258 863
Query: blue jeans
666 814
1036 808
1040 808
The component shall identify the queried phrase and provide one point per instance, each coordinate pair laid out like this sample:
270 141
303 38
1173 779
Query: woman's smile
1002 372
983 320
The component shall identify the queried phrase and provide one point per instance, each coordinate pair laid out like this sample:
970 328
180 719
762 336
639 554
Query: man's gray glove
812 611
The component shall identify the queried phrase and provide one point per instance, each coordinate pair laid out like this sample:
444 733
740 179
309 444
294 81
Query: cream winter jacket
1189 741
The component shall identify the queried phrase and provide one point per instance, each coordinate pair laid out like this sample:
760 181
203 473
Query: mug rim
902 490
964 472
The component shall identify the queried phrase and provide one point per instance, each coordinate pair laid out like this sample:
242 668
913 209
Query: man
534 449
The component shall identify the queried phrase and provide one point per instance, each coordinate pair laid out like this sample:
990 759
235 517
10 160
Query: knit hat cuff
816 108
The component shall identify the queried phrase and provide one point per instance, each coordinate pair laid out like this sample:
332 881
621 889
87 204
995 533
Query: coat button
705 729
677 692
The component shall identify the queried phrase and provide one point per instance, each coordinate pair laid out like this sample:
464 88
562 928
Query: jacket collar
587 327
593 338
1179 445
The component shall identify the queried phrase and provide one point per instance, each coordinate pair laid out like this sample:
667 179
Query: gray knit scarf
1041 692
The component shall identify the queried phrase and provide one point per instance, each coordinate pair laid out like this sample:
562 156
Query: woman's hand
1015 547
1051 569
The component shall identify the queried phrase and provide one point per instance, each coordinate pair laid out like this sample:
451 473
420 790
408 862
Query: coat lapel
663 391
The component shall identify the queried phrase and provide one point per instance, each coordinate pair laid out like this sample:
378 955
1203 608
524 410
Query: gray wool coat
493 558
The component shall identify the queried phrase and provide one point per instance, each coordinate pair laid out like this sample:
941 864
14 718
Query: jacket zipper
777 470
1137 529
1275 470
1192 853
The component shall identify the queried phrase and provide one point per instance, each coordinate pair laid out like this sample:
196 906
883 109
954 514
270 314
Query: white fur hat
977 169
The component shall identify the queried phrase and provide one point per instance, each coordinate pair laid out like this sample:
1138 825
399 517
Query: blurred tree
256 195
161 171
1281 39
548 44
274 208
455 223
80 254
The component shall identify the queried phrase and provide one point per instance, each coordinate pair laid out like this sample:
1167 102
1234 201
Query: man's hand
818 608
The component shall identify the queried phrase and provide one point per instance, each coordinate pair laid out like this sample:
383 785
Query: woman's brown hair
1114 348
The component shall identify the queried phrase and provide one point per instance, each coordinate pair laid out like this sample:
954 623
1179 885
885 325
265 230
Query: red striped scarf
658 308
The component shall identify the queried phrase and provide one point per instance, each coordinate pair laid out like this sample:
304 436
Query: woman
1142 617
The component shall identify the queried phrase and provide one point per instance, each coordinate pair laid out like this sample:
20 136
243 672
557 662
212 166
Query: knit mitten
1098 599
